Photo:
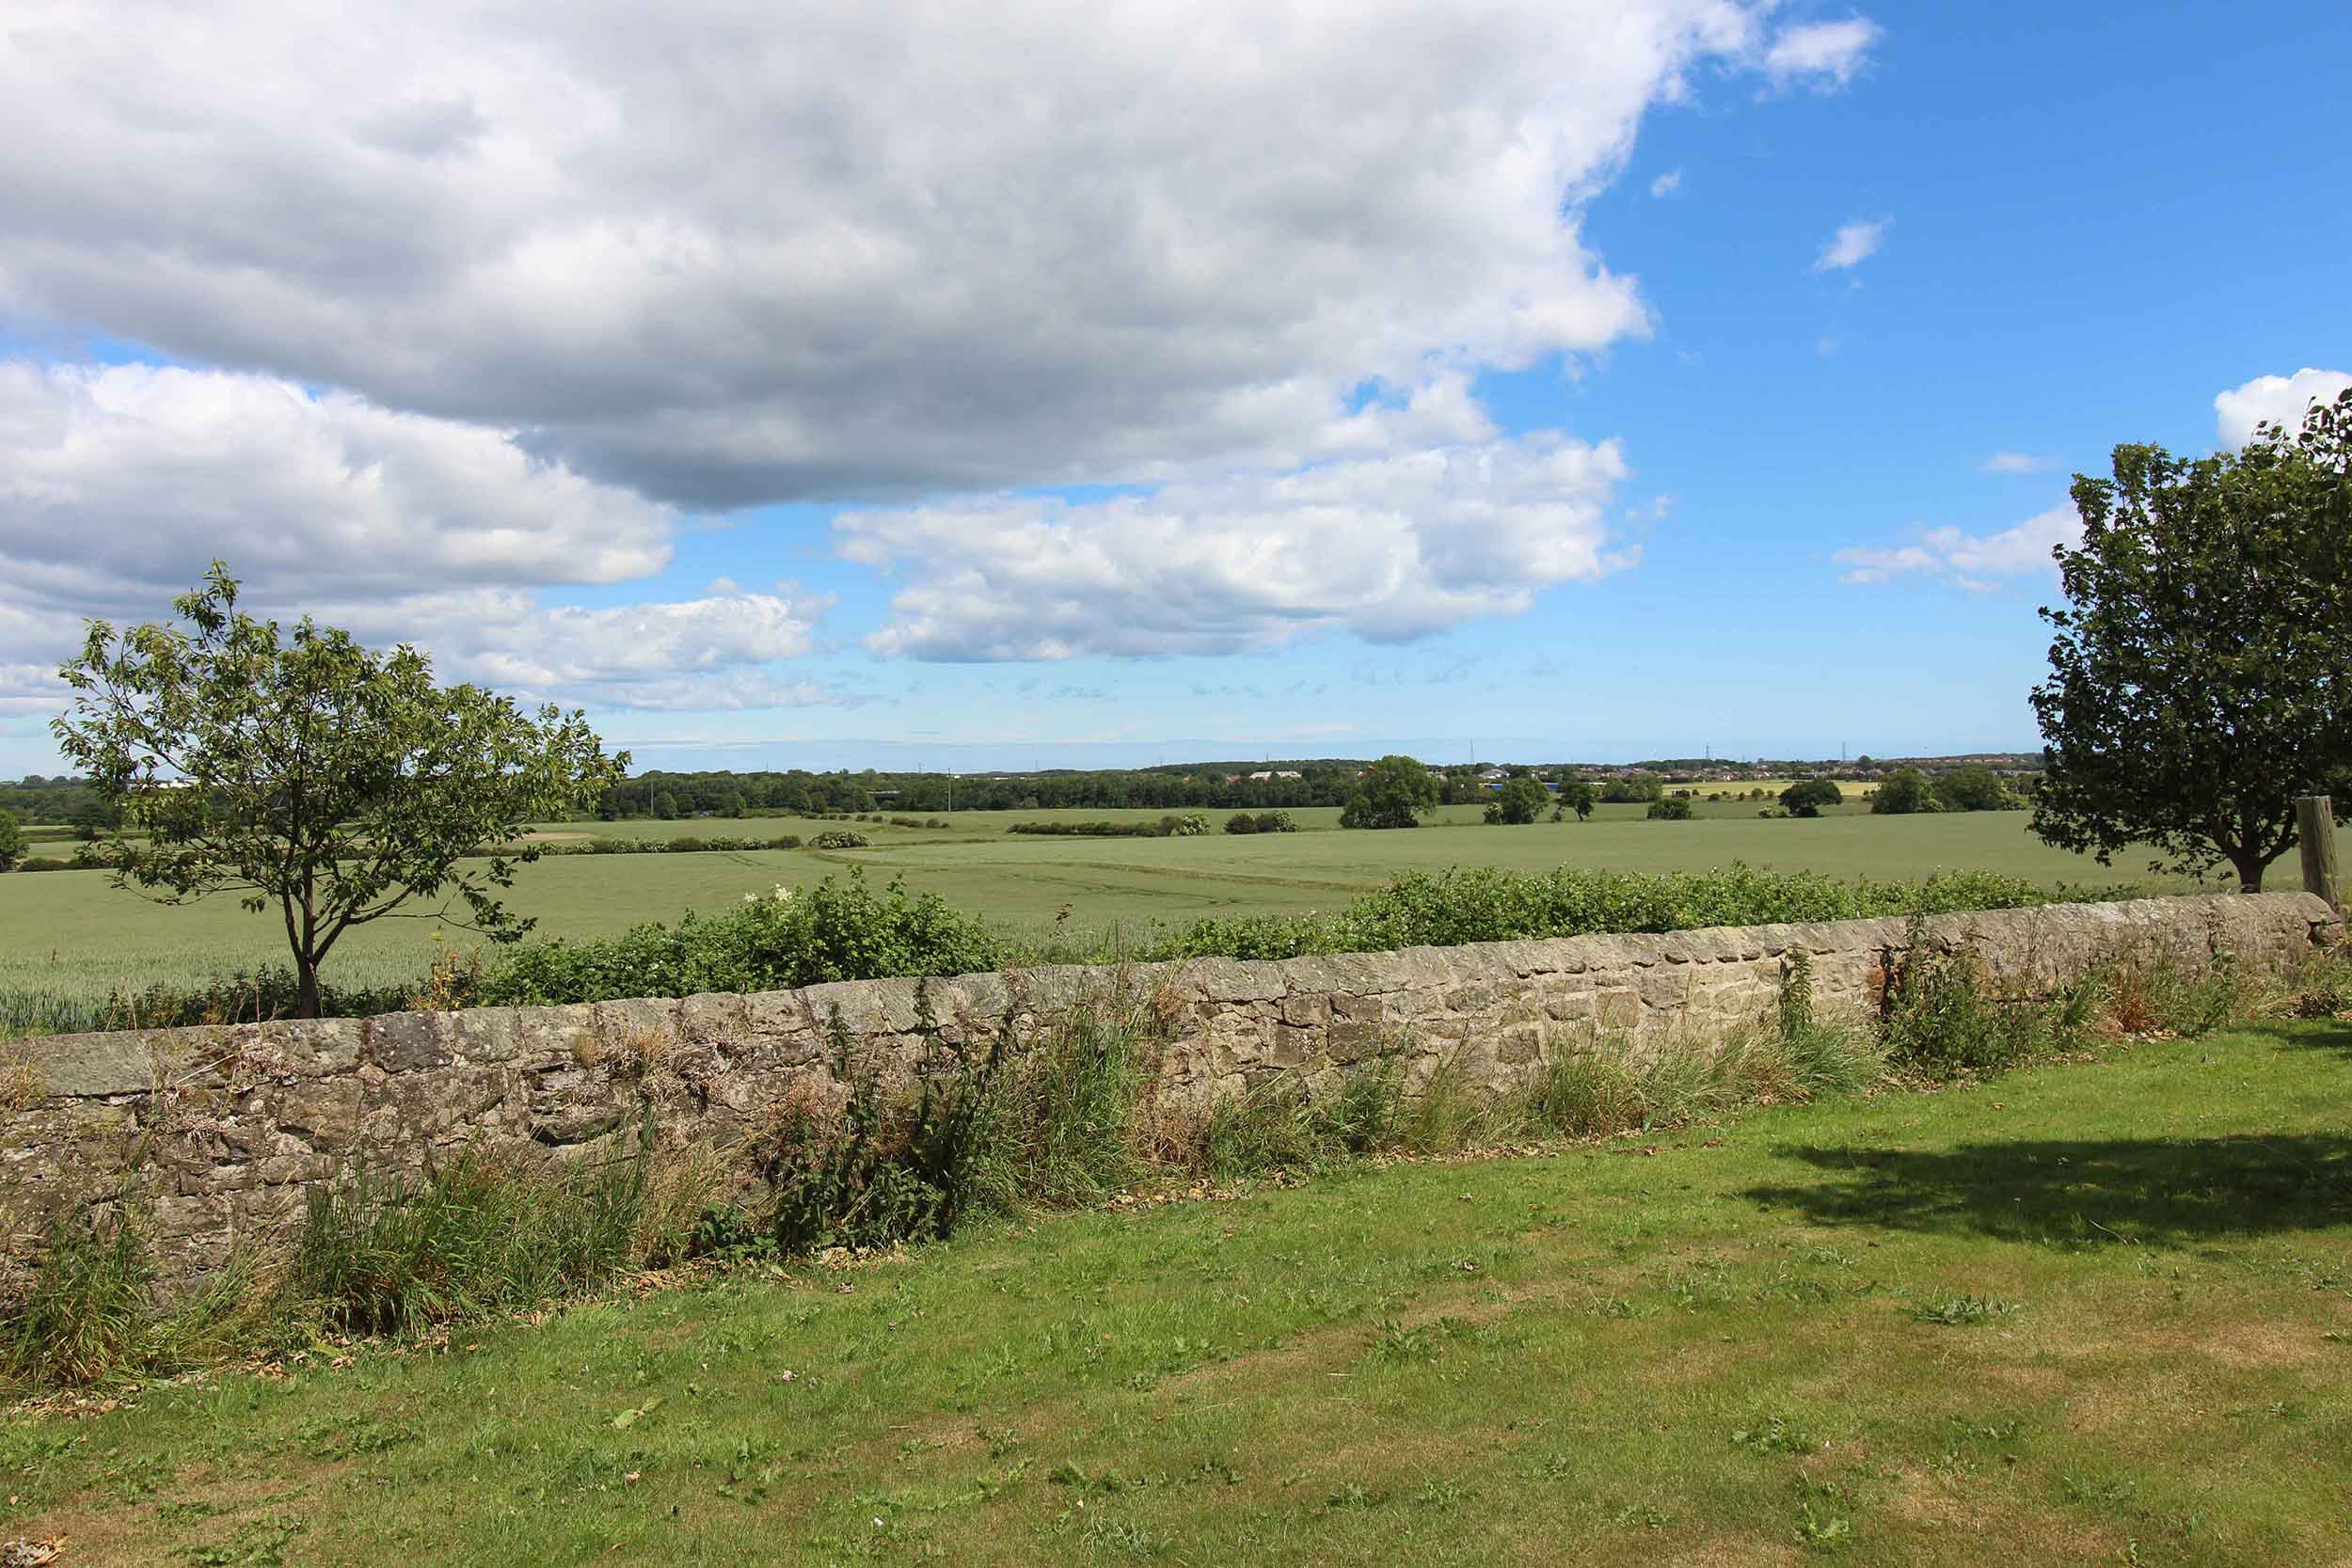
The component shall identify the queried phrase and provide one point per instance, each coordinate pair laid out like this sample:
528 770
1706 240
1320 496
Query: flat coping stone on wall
93 1067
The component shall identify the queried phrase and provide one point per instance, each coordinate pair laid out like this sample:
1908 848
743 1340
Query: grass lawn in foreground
71 933
2091 1313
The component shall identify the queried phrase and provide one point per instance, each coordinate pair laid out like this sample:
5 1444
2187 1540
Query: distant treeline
35 800
795 793
1236 785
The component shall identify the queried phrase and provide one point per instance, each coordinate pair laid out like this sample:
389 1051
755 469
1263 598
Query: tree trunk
2249 873
307 972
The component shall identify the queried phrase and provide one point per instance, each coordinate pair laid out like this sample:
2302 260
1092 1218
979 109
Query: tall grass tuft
1609 1085
470 1239
83 1316
1065 1126
2320 986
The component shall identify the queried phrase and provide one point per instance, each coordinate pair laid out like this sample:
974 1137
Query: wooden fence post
2315 827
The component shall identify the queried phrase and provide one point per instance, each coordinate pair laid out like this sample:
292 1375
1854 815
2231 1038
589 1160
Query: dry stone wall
229 1127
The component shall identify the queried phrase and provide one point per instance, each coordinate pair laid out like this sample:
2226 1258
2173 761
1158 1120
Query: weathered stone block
90 1066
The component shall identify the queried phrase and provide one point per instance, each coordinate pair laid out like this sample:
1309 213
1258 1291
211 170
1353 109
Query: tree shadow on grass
2328 1034
2160 1192
2174 1191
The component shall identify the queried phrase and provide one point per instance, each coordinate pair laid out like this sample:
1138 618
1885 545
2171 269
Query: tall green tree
1395 792
1807 796
1905 790
2200 677
12 840
1975 788
308 772
1518 801
1576 796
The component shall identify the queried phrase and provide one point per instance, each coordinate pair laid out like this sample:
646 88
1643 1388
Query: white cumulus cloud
1389 548
1977 561
2016 463
727 254
120 484
1854 243
119 481
2280 400
692 653
1822 53
1666 183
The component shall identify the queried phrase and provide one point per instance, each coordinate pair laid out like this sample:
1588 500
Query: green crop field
68 932
2084 1314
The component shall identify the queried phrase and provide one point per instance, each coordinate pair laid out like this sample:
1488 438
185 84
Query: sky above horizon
960 386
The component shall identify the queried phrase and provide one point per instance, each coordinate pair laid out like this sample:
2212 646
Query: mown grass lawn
2087 1313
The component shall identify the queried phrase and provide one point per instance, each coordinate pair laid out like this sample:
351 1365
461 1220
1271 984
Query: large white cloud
1977 562
1388 549
2280 400
726 253
118 485
702 653
118 480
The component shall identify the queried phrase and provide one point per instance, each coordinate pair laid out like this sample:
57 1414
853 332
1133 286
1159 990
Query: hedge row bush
685 845
1172 826
1485 904
841 929
847 931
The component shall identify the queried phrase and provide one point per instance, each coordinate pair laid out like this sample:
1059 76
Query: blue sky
2063 232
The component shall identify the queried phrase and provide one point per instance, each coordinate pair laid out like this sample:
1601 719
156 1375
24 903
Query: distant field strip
68 932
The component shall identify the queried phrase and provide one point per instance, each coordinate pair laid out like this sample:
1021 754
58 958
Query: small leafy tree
1975 788
2200 677
311 773
1519 802
1241 822
1396 792
1905 790
11 841
1671 808
1807 796
1575 796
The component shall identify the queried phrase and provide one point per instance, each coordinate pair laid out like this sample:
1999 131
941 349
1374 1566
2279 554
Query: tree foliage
1669 808
309 772
12 840
1807 796
1520 801
1975 788
1396 792
1904 791
2200 677
1637 789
